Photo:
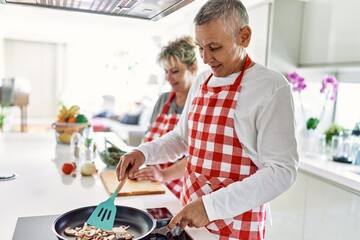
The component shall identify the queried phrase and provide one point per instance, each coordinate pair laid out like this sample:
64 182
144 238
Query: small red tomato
68 167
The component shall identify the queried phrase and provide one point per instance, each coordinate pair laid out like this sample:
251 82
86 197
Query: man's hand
192 215
129 162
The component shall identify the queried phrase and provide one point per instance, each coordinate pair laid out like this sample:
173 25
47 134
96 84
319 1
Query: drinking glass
335 143
320 147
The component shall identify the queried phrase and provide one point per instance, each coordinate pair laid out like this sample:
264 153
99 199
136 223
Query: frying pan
141 223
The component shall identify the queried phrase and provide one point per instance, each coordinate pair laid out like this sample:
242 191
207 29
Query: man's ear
244 36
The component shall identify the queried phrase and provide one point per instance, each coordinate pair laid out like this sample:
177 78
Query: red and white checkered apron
165 123
216 158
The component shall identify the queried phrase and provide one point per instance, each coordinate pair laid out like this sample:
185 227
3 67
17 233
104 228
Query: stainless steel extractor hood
143 9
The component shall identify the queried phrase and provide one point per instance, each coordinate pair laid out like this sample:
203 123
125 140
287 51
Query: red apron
216 157
165 123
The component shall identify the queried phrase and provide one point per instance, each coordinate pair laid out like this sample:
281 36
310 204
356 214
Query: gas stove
40 228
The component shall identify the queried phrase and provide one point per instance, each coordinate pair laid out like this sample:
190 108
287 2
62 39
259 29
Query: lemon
64 138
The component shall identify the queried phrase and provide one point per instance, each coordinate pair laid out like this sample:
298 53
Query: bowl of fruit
69 121
111 154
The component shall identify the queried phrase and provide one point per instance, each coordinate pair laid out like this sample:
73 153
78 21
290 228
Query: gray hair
231 12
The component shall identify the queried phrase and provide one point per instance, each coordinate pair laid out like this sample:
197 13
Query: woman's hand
151 173
130 162
168 174
192 215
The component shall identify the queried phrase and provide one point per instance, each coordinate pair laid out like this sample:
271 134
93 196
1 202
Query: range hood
143 9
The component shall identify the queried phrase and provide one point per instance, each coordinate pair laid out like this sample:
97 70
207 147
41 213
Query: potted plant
333 130
329 87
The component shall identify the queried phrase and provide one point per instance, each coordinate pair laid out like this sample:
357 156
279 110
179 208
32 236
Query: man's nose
207 57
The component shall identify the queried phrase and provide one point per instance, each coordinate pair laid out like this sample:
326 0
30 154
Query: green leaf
312 123
333 130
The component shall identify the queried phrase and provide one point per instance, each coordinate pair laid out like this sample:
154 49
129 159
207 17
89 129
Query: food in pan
88 232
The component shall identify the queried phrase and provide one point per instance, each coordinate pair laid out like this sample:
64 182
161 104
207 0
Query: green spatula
104 214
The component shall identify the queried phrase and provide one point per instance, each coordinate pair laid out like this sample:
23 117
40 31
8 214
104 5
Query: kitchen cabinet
331 212
259 15
330 33
313 34
315 208
284 35
288 211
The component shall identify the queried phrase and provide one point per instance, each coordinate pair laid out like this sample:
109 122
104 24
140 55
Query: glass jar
335 143
89 143
355 142
76 146
320 145
343 151
357 159
89 149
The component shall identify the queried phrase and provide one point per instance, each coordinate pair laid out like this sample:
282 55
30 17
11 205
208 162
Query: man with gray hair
237 128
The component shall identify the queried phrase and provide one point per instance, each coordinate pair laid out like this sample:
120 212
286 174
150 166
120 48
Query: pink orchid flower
298 84
330 80
297 81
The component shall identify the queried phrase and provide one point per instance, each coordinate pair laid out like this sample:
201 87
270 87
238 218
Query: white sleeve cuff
144 151
209 207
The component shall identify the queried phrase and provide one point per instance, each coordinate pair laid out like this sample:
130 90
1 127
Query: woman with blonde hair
178 59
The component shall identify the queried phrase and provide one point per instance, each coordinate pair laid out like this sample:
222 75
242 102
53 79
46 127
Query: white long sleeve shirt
265 126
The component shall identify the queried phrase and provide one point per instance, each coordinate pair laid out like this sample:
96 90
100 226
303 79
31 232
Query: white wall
91 42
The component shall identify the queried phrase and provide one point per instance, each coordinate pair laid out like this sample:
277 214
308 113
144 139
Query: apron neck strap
167 104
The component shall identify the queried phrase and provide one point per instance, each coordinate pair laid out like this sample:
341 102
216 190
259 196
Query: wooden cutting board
131 187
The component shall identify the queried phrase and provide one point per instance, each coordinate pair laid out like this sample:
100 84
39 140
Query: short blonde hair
182 49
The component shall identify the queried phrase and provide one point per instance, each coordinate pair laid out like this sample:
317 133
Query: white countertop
343 174
41 189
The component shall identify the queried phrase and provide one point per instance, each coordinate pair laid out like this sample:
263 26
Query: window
347 111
